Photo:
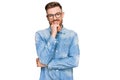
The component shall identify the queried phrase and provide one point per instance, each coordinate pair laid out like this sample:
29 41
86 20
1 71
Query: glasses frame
57 15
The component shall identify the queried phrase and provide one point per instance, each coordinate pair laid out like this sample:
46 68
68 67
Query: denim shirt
60 54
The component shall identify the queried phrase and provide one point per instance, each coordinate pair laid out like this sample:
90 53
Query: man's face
55 16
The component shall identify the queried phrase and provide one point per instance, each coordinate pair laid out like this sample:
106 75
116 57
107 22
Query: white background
97 23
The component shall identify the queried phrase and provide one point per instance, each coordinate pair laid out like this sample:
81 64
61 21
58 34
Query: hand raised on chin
54 30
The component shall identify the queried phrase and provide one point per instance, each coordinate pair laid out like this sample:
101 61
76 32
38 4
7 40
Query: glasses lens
50 15
57 15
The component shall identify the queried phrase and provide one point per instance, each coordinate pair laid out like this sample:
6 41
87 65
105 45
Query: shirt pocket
65 46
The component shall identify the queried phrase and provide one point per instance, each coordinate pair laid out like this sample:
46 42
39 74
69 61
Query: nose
54 17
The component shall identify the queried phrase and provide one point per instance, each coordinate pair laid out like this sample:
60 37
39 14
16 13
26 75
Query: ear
62 14
47 17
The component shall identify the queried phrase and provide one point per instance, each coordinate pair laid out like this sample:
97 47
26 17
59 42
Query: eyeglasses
57 15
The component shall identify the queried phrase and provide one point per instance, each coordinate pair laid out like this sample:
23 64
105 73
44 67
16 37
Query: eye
50 15
58 14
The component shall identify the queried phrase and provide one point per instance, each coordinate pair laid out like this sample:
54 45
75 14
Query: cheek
50 21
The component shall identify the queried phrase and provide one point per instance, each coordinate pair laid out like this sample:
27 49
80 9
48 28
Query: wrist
53 35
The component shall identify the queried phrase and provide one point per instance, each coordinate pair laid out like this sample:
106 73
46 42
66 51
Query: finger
38 64
37 60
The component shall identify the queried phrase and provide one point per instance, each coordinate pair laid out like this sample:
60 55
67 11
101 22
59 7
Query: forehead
53 10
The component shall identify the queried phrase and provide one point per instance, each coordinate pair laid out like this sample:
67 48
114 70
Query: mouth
56 22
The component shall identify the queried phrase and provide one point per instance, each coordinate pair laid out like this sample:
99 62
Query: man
57 47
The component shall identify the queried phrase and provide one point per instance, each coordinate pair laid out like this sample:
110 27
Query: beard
57 21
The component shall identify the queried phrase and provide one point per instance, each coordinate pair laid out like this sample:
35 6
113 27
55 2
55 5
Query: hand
54 27
39 64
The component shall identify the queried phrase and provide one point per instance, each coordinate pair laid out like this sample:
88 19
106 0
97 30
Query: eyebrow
56 13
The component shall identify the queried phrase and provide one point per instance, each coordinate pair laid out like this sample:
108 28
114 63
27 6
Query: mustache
56 20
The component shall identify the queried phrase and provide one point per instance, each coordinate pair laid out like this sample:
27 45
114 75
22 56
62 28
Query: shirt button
55 41
56 50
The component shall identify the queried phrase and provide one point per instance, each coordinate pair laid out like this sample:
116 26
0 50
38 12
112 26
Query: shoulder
43 32
70 33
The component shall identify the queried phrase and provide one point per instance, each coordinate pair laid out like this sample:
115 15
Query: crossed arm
39 64
45 59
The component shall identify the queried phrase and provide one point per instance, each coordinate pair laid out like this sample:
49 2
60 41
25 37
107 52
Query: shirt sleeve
45 50
69 62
